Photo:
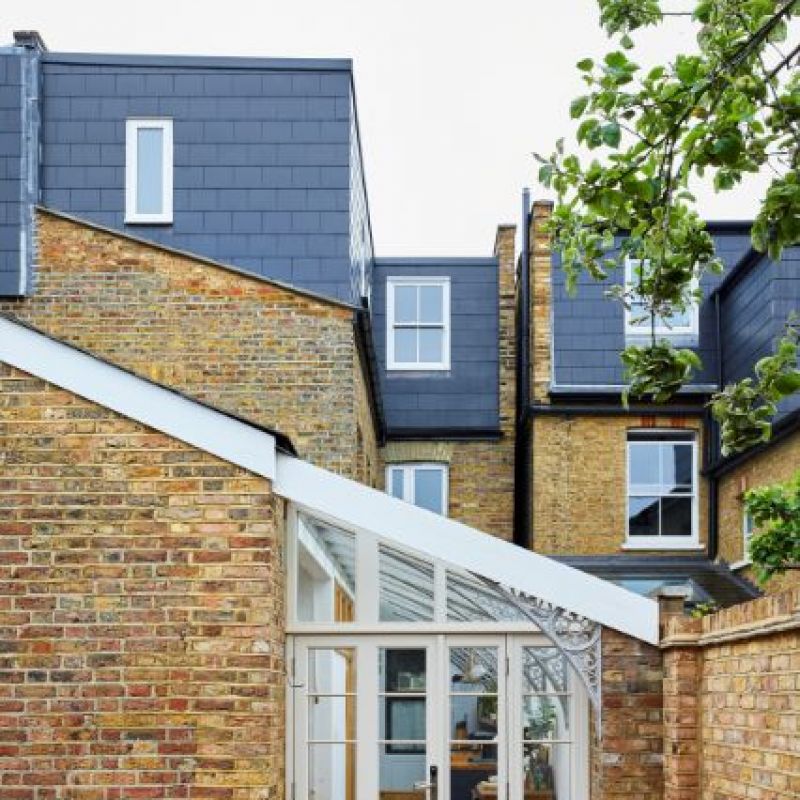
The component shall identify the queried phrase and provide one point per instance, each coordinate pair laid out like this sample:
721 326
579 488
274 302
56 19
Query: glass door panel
475 747
403 708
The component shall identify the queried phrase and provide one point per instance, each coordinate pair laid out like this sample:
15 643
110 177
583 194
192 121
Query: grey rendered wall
467 396
10 170
755 310
261 157
588 328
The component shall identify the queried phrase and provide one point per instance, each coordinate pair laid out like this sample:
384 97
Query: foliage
729 109
745 409
775 546
704 609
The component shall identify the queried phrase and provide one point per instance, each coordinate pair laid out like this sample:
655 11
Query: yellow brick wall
732 694
580 484
774 465
279 357
141 610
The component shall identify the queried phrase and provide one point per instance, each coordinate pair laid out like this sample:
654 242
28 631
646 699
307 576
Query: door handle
431 786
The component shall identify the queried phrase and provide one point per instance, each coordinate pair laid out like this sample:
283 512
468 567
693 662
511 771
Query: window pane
473 670
677 319
396 483
400 771
405 303
643 464
639 315
431 345
546 771
429 489
332 771
331 718
331 670
405 345
545 717
676 467
643 516
431 301
473 771
676 516
405 587
402 670
544 669
150 170
326 580
471 600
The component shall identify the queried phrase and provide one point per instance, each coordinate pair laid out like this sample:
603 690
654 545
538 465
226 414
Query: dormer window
638 319
148 171
418 323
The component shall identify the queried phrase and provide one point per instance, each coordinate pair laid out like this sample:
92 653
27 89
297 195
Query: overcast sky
453 95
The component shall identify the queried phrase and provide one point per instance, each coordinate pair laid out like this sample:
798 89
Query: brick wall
279 357
627 764
482 472
141 610
732 699
580 481
774 465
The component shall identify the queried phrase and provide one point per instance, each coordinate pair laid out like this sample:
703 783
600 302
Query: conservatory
429 661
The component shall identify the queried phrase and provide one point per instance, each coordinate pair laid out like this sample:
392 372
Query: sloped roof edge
358 507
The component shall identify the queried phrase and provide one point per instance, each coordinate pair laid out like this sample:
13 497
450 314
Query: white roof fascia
358 507
159 408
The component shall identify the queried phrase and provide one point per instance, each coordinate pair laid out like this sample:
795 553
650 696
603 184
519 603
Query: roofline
199 62
137 398
438 261
352 505
198 258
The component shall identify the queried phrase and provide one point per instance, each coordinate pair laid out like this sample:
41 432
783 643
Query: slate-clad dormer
253 162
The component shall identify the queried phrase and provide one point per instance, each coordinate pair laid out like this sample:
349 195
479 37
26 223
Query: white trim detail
392 282
661 328
136 398
357 507
132 128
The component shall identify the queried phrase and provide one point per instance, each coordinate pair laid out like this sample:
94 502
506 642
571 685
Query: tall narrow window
638 319
148 171
418 323
424 485
662 489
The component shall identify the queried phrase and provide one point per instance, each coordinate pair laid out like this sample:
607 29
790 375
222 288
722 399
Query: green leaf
546 174
578 106
626 42
585 65
611 134
789 383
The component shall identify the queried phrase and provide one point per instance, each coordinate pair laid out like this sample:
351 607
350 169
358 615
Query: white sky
453 95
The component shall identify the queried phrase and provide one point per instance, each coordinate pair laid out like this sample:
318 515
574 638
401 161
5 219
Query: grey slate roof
466 397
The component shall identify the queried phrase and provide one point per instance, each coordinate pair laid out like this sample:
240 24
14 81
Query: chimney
30 40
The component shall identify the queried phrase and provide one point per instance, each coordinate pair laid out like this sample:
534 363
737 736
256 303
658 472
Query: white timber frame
133 126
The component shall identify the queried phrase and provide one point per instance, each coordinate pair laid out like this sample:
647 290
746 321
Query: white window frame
132 127
663 542
748 529
417 366
660 329
409 468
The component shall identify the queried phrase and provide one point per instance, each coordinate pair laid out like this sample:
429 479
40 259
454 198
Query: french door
427 717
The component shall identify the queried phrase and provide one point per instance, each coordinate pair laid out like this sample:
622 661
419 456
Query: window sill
419 368
745 562
663 544
148 221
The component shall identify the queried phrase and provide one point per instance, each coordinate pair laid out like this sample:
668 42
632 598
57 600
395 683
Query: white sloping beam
152 405
355 506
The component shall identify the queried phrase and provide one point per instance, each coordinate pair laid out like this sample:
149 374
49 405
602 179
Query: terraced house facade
285 518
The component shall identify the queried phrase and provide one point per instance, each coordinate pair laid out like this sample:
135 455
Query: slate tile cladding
755 309
262 156
10 170
588 328
466 396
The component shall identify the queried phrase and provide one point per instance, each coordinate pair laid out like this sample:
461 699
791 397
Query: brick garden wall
141 610
732 702
273 355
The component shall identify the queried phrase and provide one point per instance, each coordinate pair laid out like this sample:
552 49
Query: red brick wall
141 610
627 764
